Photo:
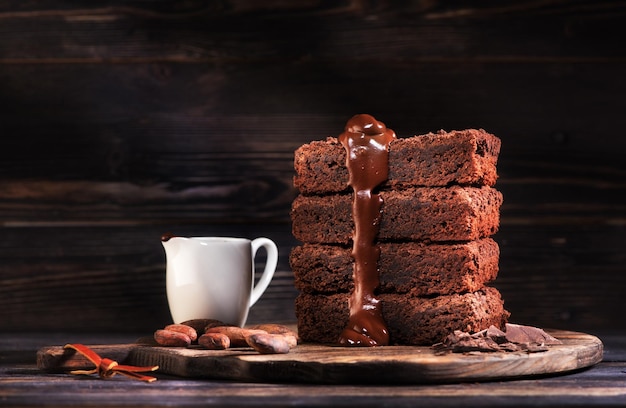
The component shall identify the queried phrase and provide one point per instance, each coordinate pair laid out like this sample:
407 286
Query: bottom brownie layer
410 320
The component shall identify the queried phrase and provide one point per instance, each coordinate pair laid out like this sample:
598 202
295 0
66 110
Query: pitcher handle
270 266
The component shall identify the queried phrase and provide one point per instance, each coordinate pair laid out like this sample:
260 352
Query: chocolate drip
167 236
367 145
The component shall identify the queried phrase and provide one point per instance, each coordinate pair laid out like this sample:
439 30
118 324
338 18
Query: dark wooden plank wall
121 120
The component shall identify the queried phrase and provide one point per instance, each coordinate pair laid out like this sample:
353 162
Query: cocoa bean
214 341
183 328
272 328
290 339
237 335
266 343
200 325
170 338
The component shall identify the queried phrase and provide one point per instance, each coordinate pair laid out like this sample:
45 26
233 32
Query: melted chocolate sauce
367 145
167 236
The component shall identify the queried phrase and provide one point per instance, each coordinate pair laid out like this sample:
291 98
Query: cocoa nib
515 338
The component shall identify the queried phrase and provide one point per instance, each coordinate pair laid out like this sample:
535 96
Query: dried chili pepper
107 368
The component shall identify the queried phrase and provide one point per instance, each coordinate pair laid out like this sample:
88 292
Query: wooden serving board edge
310 363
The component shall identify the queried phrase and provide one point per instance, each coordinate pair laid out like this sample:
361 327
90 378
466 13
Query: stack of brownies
436 252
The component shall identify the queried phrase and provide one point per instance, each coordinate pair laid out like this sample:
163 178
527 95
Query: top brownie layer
465 157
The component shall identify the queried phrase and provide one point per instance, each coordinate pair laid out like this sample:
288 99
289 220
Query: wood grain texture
339 365
23 384
122 120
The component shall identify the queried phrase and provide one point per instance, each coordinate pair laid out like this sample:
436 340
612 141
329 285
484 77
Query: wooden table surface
22 384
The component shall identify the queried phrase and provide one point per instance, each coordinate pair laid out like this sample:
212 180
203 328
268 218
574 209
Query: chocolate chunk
527 334
516 338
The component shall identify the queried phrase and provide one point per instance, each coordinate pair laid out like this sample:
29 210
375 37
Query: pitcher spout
171 243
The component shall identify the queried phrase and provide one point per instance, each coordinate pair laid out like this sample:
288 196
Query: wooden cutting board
309 363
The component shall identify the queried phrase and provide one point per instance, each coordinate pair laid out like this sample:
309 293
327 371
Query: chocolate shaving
515 338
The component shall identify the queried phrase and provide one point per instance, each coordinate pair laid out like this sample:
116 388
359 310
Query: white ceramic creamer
213 277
